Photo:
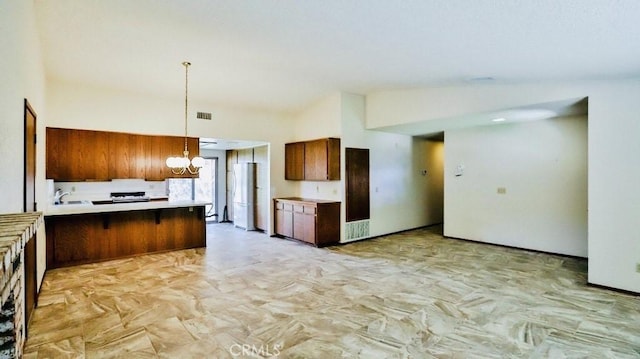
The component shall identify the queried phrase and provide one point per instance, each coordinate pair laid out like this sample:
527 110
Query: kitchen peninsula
86 233
114 197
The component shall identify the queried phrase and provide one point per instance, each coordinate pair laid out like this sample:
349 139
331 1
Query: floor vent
204 115
357 230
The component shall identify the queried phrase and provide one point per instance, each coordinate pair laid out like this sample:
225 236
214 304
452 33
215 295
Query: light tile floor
410 295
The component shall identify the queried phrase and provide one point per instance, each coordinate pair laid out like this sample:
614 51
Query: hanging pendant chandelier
182 165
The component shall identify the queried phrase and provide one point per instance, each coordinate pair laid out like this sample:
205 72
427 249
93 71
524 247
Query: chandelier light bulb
197 162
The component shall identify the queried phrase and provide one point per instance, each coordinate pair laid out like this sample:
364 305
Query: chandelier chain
182 165
186 99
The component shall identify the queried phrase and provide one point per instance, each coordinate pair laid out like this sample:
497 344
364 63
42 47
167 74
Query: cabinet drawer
279 205
287 207
298 208
309 210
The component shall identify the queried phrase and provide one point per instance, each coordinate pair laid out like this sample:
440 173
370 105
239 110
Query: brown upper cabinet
79 155
75 155
317 160
294 161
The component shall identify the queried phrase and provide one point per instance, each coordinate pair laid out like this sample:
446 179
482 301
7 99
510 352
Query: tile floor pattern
408 295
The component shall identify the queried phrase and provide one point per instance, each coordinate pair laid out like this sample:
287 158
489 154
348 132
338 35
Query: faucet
58 196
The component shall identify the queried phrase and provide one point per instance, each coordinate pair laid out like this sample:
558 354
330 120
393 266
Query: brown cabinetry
294 161
76 155
317 160
79 155
86 238
312 221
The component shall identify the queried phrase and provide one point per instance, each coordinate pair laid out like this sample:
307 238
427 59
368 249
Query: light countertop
67 209
307 200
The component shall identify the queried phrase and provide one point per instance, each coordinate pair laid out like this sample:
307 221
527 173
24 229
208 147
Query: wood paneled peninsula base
80 238
313 221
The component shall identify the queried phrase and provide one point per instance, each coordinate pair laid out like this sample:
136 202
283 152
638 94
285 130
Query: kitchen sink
76 202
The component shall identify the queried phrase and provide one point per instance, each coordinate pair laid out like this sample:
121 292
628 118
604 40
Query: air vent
204 115
356 230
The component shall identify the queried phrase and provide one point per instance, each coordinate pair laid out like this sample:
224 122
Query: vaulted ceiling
283 54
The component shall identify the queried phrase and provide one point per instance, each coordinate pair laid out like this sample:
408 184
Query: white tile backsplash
93 191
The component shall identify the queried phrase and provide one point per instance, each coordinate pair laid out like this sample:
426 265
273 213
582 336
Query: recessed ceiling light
501 119
481 79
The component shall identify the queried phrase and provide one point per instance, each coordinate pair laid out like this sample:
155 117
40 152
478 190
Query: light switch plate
502 190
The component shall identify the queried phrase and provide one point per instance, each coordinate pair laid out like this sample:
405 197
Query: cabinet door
309 227
74 239
298 224
155 161
294 161
333 159
119 155
315 160
279 221
279 218
287 229
127 155
87 155
77 155
56 153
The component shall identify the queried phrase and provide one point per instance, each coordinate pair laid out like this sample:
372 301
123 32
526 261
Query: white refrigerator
244 195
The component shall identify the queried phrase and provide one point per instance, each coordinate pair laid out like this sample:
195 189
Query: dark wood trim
28 109
519 248
622 291
29 205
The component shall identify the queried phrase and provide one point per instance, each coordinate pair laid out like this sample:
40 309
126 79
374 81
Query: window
202 188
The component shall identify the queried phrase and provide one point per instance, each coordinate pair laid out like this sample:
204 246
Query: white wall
21 76
543 167
399 191
613 176
614 190
88 107
319 120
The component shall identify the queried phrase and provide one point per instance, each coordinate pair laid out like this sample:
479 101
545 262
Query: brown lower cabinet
86 238
308 220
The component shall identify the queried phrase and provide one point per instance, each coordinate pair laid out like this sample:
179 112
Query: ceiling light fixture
501 119
182 165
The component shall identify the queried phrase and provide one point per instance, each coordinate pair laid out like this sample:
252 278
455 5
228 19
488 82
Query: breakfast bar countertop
85 208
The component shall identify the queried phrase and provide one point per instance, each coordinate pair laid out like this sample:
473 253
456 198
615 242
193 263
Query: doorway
206 187
203 188
433 174
30 252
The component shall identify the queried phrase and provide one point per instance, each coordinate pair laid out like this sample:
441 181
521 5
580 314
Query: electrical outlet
502 190
637 267
73 188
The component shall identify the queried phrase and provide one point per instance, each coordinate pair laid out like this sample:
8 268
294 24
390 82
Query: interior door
30 205
357 183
